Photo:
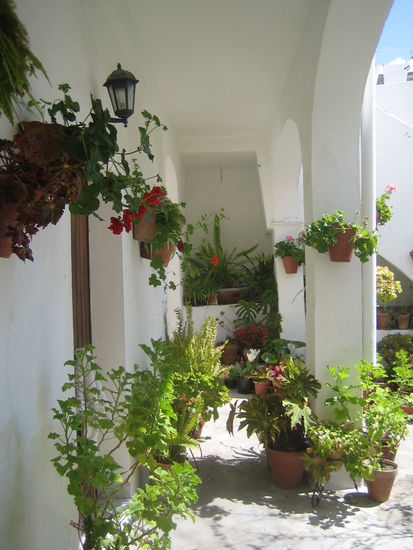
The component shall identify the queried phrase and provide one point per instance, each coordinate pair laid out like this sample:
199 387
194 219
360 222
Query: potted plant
134 409
390 345
281 420
402 315
213 270
331 233
403 380
383 210
252 337
387 289
291 252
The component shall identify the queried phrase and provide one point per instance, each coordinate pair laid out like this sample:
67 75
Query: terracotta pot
149 253
380 487
290 265
287 468
229 295
261 387
197 433
411 254
384 320
408 409
213 300
343 250
403 321
145 229
229 353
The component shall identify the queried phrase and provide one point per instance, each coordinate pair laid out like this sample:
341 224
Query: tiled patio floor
239 508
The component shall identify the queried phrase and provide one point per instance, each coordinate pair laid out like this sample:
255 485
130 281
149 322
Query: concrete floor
239 507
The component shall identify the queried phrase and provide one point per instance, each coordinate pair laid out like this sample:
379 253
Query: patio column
368 189
290 286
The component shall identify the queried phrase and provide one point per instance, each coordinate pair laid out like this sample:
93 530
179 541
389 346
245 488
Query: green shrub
391 344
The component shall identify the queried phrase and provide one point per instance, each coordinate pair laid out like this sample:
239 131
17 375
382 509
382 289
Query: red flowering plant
211 268
253 337
63 161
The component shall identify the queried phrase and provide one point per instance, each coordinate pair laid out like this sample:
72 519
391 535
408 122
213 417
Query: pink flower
289 238
391 188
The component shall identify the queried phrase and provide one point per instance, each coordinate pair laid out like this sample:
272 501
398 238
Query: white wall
78 42
238 192
394 116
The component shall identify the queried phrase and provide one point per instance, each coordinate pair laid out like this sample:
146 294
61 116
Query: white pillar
290 286
368 194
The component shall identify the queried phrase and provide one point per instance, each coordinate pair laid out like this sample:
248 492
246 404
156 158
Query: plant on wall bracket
322 233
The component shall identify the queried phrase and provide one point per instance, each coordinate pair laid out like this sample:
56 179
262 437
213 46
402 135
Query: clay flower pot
261 387
149 253
229 353
145 229
290 265
403 321
287 468
380 487
342 251
384 320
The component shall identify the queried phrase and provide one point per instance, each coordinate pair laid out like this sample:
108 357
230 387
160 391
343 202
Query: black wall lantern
121 87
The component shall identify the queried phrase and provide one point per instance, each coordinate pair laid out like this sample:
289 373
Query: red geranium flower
154 196
127 220
116 225
180 246
214 260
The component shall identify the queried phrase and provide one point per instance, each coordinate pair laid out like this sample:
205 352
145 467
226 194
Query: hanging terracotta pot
342 251
149 253
287 468
380 487
145 229
290 265
384 320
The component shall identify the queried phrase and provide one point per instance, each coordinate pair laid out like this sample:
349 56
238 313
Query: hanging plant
17 62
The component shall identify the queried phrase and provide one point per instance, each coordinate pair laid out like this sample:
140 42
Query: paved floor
239 507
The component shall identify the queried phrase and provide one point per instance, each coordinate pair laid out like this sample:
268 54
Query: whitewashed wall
394 116
77 44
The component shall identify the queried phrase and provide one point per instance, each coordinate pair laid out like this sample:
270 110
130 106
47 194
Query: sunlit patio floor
239 507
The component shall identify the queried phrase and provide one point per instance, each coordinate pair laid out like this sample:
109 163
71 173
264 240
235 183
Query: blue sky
397 36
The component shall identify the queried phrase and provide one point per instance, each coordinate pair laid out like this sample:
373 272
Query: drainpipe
368 210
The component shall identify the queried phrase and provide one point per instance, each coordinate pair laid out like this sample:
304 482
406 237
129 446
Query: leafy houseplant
16 59
102 413
390 345
383 210
281 420
211 268
403 379
323 233
290 248
387 289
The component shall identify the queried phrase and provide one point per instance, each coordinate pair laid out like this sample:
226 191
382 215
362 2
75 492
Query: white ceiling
220 65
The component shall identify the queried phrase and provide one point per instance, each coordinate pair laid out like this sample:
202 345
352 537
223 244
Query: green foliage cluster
322 233
103 412
290 247
281 419
211 267
388 347
387 287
